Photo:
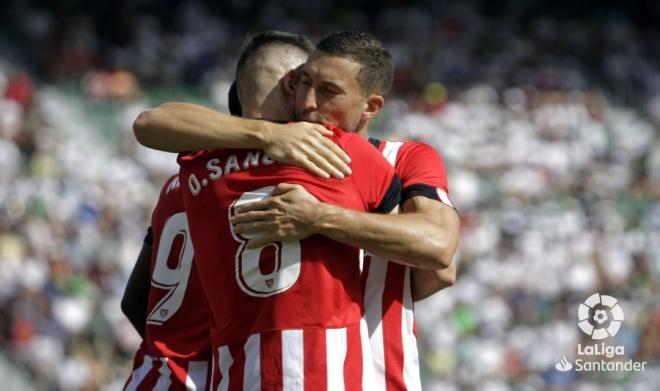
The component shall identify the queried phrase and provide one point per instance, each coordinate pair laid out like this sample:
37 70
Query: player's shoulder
171 188
397 150
416 150
170 201
417 146
401 145
351 142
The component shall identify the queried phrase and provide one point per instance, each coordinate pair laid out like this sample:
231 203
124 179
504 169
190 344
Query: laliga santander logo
600 316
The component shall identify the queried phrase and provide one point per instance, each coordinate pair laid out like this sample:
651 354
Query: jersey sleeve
374 177
422 173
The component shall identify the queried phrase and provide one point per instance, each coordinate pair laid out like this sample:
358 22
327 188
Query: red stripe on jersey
271 361
392 315
366 265
237 369
315 354
165 373
215 370
388 295
294 360
178 372
154 375
140 370
353 363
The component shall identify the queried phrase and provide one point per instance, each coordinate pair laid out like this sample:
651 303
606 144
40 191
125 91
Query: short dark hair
233 101
377 70
257 41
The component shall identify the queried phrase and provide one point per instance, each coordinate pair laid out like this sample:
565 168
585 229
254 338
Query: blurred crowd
548 127
557 202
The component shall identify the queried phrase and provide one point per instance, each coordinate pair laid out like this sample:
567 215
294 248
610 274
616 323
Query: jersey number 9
173 280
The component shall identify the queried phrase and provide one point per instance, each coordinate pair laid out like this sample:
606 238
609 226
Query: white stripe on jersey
252 370
336 345
373 299
368 372
196 375
391 150
293 360
444 197
139 374
224 356
361 257
410 355
164 380
292 355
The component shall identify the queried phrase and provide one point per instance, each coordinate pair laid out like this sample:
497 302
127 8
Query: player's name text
217 168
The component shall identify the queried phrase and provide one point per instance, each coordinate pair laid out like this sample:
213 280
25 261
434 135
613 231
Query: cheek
346 116
343 108
299 95
353 110
336 112
330 110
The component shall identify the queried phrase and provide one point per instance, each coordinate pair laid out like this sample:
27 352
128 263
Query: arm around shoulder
184 127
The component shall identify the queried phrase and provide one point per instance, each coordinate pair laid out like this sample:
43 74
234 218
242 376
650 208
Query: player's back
313 284
176 351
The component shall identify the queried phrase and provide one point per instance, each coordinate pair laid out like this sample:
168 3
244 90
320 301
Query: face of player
328 92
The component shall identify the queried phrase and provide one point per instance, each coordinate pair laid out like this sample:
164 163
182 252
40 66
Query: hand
306 145
288 215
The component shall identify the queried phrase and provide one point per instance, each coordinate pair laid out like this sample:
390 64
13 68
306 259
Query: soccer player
163 298
288 314
425 238
328 93
170 312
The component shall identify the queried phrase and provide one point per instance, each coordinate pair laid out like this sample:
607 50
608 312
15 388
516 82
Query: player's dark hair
257 41
377 70
234 102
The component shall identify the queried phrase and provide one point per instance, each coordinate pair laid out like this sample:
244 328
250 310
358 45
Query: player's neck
363 132
272 117
273 112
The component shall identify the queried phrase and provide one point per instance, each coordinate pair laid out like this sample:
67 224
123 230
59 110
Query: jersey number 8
248 272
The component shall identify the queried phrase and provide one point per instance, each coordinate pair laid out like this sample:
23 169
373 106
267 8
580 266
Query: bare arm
183 127
136 296
425 240
427 282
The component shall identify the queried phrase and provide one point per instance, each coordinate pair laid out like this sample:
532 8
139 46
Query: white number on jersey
248 273
174 281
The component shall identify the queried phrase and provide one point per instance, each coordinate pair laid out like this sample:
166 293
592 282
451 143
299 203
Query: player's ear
289 82
373 105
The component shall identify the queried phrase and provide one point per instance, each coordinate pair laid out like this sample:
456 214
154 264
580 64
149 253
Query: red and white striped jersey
167 373
267 298
296 359
176 352
388 295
